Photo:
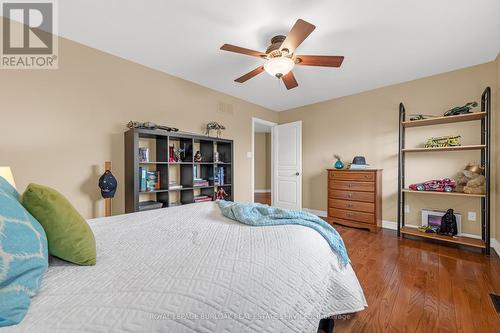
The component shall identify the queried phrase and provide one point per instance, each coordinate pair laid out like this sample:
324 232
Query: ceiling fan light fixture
279 66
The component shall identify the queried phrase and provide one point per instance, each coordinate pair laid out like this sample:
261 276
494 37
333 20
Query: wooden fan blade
289 81
242 50
300 30
325 61
250 75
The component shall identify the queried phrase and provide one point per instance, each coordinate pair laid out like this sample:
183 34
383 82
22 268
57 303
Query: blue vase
339 164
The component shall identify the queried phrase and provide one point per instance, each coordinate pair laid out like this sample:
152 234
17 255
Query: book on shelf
219 176
148 180
198 182
142 179
202 198
175 187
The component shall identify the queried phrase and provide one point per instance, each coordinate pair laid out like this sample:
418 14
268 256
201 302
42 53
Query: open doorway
262 156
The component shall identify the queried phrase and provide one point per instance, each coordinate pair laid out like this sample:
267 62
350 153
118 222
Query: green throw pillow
69 236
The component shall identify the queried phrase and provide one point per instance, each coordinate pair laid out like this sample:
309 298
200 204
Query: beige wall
367 124
262 159
59 126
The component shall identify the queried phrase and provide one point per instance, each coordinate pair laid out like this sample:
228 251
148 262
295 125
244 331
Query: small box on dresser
355 198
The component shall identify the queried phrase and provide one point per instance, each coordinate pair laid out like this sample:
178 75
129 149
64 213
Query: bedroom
162 63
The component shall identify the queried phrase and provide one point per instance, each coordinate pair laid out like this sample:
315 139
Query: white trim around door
271 125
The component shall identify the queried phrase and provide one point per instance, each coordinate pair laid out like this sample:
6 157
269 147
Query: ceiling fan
280 56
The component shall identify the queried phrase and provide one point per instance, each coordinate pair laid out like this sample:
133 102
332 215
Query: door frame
274 172
271 124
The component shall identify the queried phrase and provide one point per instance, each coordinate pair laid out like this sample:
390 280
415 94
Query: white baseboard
262 191
389 225
320 213
394 226
495 245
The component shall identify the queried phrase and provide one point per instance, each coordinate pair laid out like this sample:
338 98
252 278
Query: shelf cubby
461 240
445 120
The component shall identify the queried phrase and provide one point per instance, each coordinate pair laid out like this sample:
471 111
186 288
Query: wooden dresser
355 198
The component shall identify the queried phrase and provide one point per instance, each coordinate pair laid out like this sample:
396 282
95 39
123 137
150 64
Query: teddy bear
471 180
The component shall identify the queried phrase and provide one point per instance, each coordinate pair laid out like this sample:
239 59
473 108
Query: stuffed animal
471 180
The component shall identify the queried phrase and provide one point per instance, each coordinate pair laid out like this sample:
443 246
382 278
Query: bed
190 269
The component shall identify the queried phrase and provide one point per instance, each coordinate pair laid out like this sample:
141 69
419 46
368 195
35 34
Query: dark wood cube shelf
206 169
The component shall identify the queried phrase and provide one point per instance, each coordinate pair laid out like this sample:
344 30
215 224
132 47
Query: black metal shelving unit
485 147
185 168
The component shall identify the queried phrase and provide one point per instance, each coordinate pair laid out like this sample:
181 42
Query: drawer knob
349 195
349 185
349 205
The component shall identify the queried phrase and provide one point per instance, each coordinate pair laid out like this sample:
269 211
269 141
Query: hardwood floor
416 286
263 198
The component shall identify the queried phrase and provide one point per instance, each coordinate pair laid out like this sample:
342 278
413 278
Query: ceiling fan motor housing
274 49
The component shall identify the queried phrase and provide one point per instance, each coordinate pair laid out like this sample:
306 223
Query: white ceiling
384 42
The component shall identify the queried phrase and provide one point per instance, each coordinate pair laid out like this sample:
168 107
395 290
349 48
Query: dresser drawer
353 216
350 195
351 205
352 175
352 185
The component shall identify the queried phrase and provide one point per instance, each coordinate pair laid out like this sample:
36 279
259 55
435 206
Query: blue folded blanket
263 215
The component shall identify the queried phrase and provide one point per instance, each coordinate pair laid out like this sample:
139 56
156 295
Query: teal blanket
263 215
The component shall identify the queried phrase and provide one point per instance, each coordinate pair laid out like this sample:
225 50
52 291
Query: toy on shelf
221 194
448 224
444 185
443 141
461 109
418 116
471 180
171 154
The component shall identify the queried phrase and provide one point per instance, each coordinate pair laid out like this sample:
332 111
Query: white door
287 166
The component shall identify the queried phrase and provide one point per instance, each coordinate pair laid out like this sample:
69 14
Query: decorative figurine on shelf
151 126
143 154
221 194
443 141
213 125
461 109
216 157
448 224
197 156
171 154
418 116
179 153
338 163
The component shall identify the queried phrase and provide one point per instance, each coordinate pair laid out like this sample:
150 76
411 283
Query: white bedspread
189 269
